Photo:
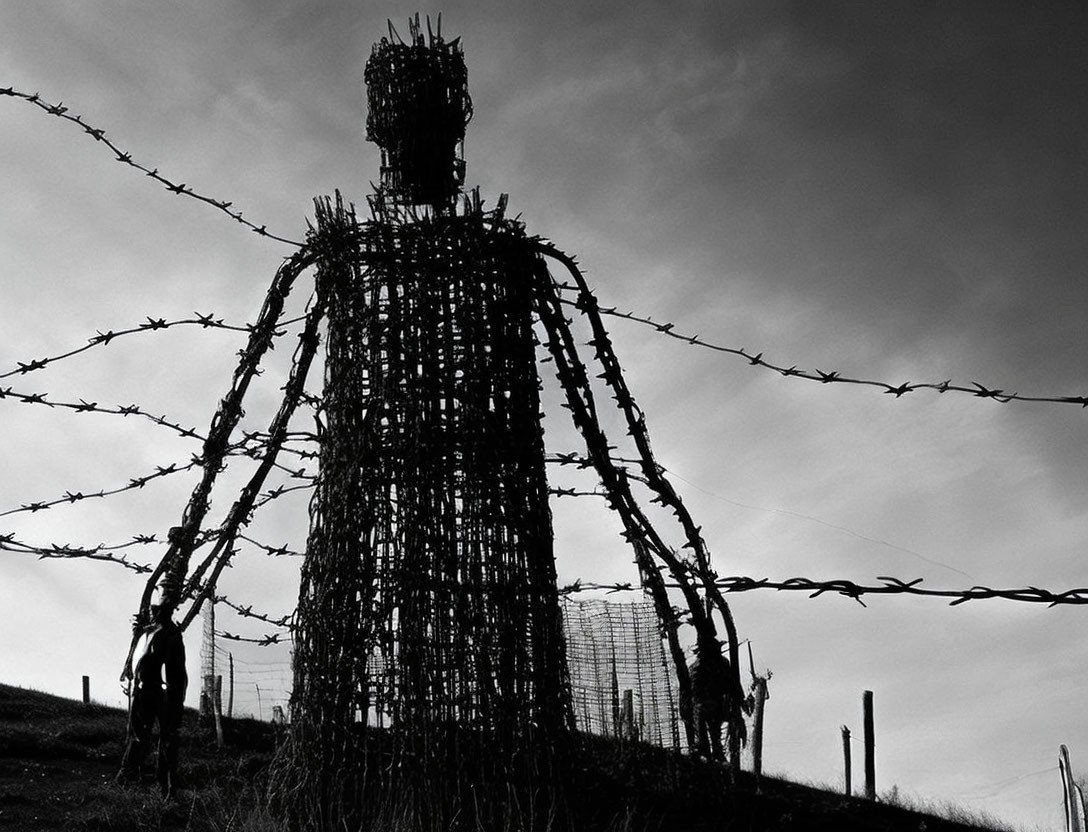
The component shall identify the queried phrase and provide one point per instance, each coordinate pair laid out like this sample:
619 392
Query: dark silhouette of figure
714 692
157 694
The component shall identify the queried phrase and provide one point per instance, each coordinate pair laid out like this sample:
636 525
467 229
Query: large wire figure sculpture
428 631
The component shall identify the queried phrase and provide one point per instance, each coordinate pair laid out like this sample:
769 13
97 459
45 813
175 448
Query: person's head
164 599
707 645
160 611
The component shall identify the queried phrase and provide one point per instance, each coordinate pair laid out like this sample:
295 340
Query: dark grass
58 758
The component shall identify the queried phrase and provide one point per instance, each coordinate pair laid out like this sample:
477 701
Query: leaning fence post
759 691
207 664
870 758
760 686
1073 797
846 774
617 712
218 711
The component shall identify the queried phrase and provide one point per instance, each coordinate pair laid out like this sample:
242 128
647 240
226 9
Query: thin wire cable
835 526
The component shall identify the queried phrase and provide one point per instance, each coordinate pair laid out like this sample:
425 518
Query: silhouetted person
157 694
713 689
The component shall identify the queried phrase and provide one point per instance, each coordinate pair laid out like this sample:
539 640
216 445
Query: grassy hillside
58 758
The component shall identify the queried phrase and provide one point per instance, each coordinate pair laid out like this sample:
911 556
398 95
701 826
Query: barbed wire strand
273 551
833 376
814 588
100 338
62 112
134 483
850 589
9 543
105 552
84 406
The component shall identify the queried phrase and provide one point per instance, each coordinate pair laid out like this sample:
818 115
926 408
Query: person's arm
177 679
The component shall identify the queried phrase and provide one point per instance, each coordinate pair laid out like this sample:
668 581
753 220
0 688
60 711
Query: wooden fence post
218 709
760 685
1073 797
207 664
230 692
86 690
629 728
759 690
870 746
846 773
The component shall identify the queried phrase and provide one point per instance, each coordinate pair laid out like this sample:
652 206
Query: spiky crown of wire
418 108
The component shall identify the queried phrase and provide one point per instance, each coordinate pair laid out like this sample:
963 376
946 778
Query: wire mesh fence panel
622 680
256 686
621 675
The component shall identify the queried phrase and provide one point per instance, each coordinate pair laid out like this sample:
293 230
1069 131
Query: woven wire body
428 621
430 667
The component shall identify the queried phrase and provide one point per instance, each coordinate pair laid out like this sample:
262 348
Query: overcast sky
896 191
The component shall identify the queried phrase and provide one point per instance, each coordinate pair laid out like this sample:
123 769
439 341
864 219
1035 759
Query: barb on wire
274 551
279 491
263 641
138 540
619 463
832 376
101 339
573 492
60 111
262 438
245 610
850 589
580 461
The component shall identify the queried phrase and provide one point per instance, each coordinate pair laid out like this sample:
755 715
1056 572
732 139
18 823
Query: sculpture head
417 110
